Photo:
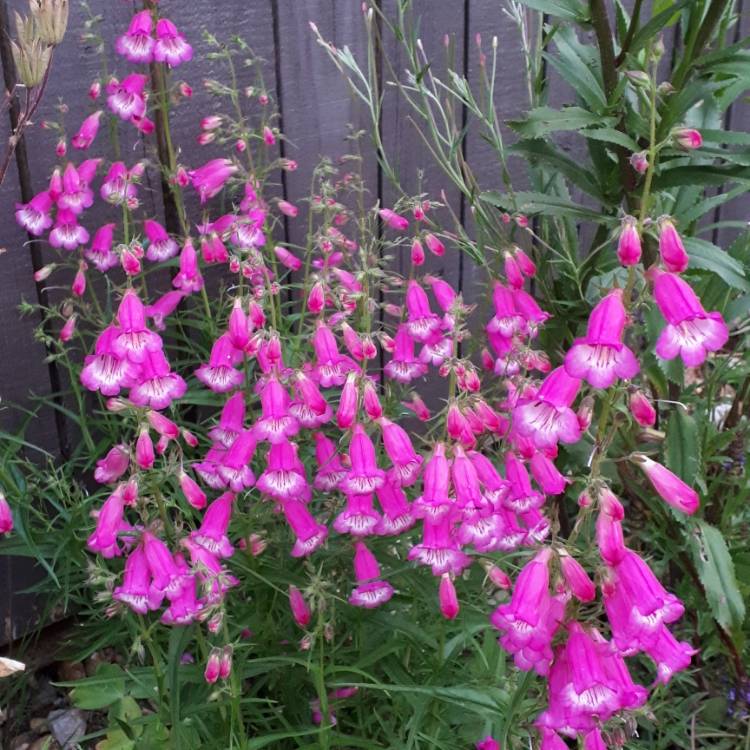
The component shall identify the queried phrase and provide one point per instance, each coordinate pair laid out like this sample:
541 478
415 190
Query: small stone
67 726
38 724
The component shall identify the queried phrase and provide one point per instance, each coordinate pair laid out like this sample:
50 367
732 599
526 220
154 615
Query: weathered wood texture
316 111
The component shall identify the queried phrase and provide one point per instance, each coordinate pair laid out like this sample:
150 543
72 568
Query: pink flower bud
434 245
193 493
642 409
527 266
499 577
144 450
371 402
688 138
639 161
316 298
213 666
347 409
669 486
130 263
44 272
240 146
211 122
68 329
394 220
95 90
417 253
268 136
447 596
577 579
288 209
6 516
671 249
629 243
225 662
78 288
300 610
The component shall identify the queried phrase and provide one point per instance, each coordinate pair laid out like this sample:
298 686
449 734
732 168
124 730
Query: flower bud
213 666
639 161
638 78
447 596
300 610
687 138
642 409
51 17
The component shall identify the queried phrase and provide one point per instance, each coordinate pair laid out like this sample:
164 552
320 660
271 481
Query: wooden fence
316 109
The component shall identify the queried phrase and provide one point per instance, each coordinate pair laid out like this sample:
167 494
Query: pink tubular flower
189 278
417 253
394 220
330 469
637 605
488 744
76 195
126 98
447 595
105 371
163 307
135 590
404 366
6 516
34 216
418 406
100 252
669 486
609 535
364 476
284 477
398 446
346 412
212 534
629 243
298 605
548 418
671 249
531 618
109 523
171 47
118 187
233 466
276 424
134 340
219 374
435 501
87 132
157 386
600 357
371 401
144 450
439 548
137 44
397 514
642 409
521 497
546 474
690 332
422 324
160 245
110 468
209 179
370 592
67 232
331 367
310 534
359 517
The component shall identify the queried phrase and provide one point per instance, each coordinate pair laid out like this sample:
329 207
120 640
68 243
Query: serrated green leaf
708 174
610 135
683 449
544 120
708 257
716 571
658 21
541 203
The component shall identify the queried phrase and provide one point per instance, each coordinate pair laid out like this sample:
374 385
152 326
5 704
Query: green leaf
544 120
547 155
708 174
569 10
716 571
708 257
683 449
738 308
730 137
549 205
658 21
610 135
102 690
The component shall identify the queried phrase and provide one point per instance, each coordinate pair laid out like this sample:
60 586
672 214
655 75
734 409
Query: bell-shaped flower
691 332
220 374
371 591
364 476
67 232
126 98
421 323
309 534
359 517
171 47
136 590
672 251
399 448
404 366
209 179
157 386
331 367
669 486
212 533
34 216
106 371
600 357
284 477
521 497
137 44
548 419
110 468
397 513
439 548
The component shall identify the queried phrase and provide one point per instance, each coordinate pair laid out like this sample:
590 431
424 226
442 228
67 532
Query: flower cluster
309 424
